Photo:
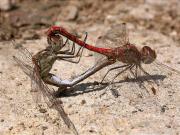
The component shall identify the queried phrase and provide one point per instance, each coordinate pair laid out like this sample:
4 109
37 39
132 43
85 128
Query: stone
6 5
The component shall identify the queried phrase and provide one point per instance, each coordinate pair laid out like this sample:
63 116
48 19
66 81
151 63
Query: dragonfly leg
111 70
141 84
66 58
155 81
79 52
128 66
86 34
114 91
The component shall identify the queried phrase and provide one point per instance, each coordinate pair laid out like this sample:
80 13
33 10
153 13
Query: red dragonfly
120 50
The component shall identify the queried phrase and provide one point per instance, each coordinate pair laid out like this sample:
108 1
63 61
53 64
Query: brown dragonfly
37 67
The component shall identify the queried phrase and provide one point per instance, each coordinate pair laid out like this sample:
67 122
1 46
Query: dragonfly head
55 42
148 55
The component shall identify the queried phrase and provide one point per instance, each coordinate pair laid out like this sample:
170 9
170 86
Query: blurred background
26 18
155 23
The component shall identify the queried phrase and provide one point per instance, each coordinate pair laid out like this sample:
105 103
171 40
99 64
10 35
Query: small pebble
168 126
164 108
91 131
10 98
10 128
134 111
83 102
69 106
6 5
42 110
2 120
18 84
44 127
140 110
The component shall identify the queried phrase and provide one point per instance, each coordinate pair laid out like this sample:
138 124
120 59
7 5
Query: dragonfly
116 47
38 66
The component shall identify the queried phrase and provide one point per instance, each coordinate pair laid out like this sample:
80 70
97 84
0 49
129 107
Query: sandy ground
93 109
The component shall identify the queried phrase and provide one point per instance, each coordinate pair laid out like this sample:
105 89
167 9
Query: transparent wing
35 89
166 67
116 36
162 77
23 58
27 69
55 103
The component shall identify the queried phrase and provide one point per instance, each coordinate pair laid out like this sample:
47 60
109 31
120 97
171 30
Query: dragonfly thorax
128 54
46 60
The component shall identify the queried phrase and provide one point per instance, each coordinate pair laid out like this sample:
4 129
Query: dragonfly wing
24 59
103 42
27 69
35 88
121 34
161 77
116 36
166 67
53 102
22 54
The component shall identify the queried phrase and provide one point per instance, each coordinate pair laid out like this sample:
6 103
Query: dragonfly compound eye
147 55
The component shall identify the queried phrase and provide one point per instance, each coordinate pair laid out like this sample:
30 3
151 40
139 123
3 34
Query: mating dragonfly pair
121 51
